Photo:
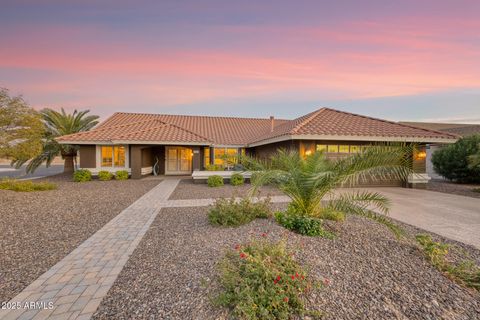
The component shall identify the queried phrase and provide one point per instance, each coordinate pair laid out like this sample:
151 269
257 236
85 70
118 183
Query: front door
179 160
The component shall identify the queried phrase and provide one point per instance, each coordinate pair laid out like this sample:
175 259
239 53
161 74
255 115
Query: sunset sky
400 60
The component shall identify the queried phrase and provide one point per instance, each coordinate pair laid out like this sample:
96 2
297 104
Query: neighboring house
181 144
460 129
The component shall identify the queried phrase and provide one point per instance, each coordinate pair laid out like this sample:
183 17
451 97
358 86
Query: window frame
100 163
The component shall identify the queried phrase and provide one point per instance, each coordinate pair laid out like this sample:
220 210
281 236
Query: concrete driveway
8 172
453 216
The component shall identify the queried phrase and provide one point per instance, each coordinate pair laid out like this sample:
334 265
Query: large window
113 156
226 156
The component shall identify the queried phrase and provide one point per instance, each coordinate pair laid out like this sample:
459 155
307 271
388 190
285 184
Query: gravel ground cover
453 188
189 190
38 229
372 275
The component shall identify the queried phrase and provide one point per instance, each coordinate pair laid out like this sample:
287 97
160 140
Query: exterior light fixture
308 152
421 155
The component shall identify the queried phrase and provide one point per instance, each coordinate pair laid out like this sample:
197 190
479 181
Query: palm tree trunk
68 165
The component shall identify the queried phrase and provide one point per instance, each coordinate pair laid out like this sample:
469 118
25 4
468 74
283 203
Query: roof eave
353 138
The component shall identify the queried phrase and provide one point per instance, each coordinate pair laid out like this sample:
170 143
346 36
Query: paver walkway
76 285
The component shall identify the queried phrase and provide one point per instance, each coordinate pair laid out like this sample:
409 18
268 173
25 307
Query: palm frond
371 205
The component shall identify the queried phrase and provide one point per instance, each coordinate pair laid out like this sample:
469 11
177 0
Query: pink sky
407 62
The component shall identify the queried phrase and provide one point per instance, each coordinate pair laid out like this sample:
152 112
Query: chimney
272 123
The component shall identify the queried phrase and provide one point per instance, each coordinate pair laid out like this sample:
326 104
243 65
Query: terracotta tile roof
330 122
461 129
244 131
139 126
141 131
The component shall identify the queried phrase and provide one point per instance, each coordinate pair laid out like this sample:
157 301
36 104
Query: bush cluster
82 175
121 175
215 181
105 175
26 185
465 272
229 212
303 225
452 161
261 280
237 179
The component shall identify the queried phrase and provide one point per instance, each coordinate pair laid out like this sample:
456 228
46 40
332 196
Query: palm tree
311 181
59 124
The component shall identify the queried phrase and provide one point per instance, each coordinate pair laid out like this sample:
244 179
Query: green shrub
213 167
333 215
26 185
215 181
261 280
237 179
465 272
82 175
304 225
476 190
452 161
105 175
229 212
121 175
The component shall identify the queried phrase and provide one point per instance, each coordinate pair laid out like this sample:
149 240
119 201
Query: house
460 129
180 144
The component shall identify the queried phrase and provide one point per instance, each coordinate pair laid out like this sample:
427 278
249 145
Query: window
321 147
343 148
332 148
119 156
225 156
107 156
354 149
206 156
113 156
219 155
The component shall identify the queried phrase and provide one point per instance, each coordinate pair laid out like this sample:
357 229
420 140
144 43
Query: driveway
452 216
8 172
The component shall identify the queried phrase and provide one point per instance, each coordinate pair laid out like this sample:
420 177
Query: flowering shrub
302 224
215 181
229 212
121 175
105 175
261 280
82 175
237 179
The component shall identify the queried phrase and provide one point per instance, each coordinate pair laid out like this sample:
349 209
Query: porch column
136 162
196 161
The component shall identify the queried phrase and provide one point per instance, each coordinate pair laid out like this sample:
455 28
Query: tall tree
21 128
59 124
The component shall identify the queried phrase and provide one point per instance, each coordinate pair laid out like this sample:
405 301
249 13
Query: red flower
237 246
303 277
264 235
293 277
243 255
296 275
278 278
285 299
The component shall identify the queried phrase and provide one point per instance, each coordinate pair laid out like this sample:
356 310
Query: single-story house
181 144
460 129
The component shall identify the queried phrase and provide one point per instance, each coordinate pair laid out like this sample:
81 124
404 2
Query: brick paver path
76 285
